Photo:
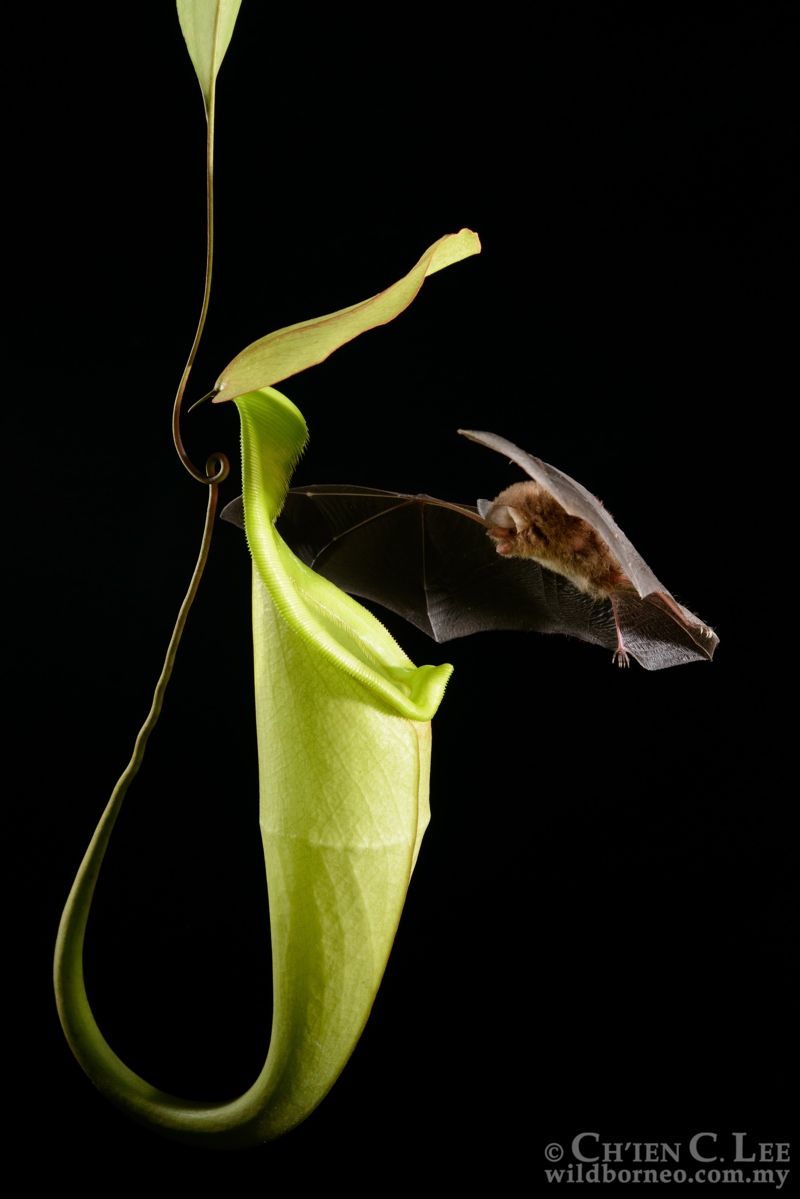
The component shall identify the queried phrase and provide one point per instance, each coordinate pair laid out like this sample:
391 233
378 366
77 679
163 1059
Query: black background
596 934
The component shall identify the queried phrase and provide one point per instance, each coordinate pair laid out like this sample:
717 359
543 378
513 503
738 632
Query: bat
555 521
544 556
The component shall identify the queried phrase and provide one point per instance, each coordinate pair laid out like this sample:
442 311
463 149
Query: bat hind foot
620 653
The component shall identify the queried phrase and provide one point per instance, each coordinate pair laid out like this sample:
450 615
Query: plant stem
217 466
80 1027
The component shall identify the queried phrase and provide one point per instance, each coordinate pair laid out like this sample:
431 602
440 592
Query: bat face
525 521
554 561
582 541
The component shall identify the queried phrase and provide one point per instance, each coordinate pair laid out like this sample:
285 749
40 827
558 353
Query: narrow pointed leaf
207 27
293 349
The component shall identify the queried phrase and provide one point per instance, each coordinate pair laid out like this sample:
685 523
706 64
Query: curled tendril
217 468
217 465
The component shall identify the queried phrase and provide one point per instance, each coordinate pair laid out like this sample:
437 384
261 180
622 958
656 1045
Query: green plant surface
207 27
343 721
293 349
344 737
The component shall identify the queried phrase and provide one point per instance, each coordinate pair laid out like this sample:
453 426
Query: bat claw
620 653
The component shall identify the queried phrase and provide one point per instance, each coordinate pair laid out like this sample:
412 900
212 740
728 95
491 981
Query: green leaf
207 27
293 349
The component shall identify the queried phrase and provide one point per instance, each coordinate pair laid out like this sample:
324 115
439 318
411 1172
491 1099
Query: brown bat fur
541 529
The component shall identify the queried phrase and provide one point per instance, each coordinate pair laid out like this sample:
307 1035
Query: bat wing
646 621
431 562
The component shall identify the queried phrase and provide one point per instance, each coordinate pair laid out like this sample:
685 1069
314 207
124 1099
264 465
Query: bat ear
502 515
